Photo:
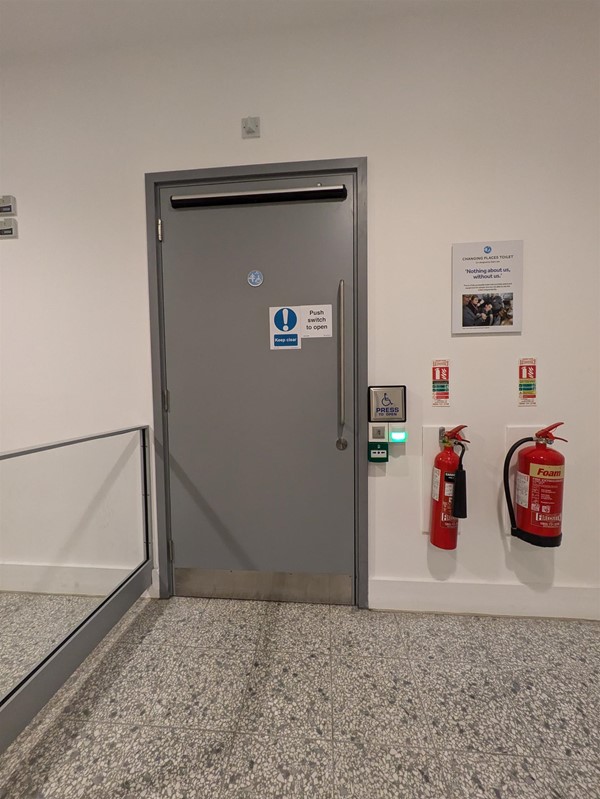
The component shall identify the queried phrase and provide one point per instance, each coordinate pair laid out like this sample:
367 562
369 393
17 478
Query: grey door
261 490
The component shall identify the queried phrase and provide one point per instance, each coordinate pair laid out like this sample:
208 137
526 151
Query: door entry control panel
387 403
387 414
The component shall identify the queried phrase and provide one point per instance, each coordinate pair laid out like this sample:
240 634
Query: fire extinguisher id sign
527 382
440 383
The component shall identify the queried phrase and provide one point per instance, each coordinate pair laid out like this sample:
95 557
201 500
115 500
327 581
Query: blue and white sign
255 278
285 319
285 333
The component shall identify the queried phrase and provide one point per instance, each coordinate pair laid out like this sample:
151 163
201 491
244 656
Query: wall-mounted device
387 403
8 205
8 228
448 489
539 489
378 452
387 414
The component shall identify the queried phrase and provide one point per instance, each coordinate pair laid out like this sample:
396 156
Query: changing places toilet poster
487 287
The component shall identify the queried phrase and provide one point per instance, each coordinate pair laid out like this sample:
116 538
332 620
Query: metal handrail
67 442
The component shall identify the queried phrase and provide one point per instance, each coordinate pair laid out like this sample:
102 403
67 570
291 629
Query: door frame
155 181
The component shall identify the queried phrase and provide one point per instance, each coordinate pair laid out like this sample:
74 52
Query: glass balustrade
73 528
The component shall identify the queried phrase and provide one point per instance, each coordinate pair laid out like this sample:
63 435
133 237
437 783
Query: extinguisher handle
454 434
547 433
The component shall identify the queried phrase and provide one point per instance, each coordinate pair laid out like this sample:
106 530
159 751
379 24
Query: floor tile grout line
245 699
448 783
333 756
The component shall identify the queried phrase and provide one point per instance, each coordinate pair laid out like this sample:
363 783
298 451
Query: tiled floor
31 625
190 698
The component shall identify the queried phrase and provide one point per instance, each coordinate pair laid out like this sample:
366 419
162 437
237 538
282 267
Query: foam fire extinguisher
539 490
449 490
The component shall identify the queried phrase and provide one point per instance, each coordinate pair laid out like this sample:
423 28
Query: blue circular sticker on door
255 278
285 319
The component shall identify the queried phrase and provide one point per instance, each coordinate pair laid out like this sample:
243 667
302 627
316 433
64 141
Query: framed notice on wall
487 287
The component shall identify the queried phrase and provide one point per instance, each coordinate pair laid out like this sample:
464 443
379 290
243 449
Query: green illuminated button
397 434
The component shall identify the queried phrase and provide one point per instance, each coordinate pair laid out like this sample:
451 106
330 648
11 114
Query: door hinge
166 400
170 550
159 229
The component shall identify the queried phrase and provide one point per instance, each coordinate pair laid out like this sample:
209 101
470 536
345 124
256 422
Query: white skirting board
41 578
497 599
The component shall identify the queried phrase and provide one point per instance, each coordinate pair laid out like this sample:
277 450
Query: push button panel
378 432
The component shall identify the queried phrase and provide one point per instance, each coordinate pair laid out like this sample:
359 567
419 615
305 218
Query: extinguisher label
435 484
547 472
522 490
447 520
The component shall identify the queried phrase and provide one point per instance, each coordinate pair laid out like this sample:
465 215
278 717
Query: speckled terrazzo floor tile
366 632
206 691
490 777
279 768
560 712
71 762
115 654
296 627
229 624
131 695
493 776
289 693
549 641
568 779
225 609
367 770
443 638
164 763
511 710
376 699
470 708
33 625
174 621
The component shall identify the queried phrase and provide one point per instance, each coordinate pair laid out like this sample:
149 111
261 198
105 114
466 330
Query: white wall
480 121
71 518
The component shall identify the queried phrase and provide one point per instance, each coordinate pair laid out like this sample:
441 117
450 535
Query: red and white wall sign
440 383
527 382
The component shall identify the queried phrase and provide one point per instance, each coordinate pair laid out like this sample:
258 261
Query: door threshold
330 589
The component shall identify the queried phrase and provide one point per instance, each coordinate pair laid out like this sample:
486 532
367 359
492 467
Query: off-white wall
480 121
72 518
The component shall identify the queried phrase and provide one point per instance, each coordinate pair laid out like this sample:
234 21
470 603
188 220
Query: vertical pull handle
341 442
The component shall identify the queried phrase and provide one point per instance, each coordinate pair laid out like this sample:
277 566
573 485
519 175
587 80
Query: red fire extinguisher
539 490
449 490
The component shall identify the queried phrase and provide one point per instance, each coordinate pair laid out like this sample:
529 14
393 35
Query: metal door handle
341 442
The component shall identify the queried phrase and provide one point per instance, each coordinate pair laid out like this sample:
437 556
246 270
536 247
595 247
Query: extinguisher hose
507 460
459 500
